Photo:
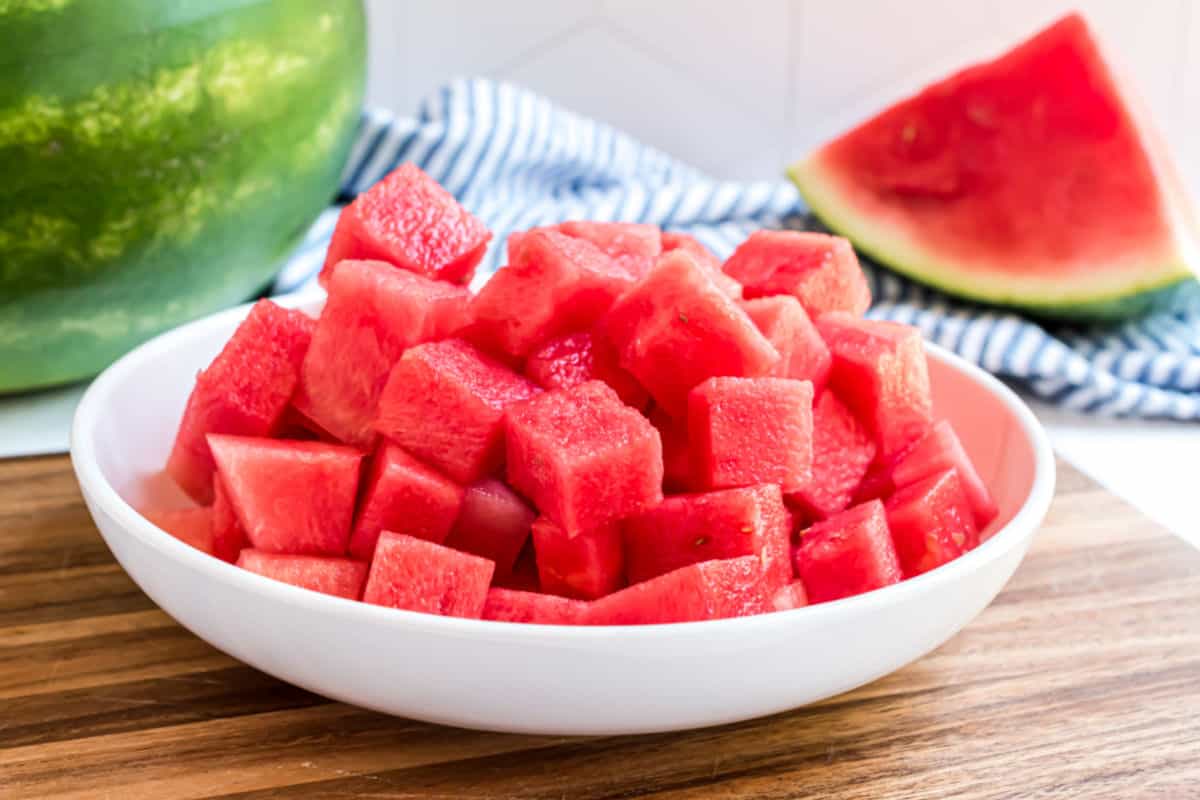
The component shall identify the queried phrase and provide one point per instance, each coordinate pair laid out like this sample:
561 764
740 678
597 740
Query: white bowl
535 678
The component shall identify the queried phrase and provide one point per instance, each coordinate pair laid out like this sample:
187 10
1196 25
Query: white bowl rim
103 494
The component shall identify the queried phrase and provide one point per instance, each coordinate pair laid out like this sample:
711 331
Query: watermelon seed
683 317
747 529
700 542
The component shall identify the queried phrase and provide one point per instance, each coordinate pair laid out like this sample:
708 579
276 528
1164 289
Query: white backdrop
741 87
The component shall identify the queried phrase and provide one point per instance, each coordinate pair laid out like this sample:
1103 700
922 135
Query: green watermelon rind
1083 301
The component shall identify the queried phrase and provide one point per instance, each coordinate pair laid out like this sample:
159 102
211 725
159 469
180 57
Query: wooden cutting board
1082 680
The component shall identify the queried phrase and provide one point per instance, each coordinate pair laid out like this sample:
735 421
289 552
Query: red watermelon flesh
417 575
408 220
632 246
677 459
586 565
676 329
850 553
524 574
819 270
746 431
704 258
405 496
557 284
931 523
583 457
244 391
793 595
691 528
843 451
444 402
803 354
879 370
1028 180
228 537
374 312
493 522
511 605
341 577
189 525
580 357
290 497
709 590
941 450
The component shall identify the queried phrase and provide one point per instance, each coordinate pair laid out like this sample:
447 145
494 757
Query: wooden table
1082 680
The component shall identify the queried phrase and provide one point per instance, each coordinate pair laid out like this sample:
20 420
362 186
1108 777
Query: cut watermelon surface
493 522
793 595
584 565
879 369
931 523
444 402
581 357
704 258
710 590
632 247
228 537
512 605
819 270
691 528
405 496
747 431
1029 180
803 354
583 457
676 329
417 575
373 314
189 525
244 391
340 577
941 450
850 553
842 452
410 221
290 497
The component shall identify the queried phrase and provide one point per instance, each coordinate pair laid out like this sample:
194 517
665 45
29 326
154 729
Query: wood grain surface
1082 680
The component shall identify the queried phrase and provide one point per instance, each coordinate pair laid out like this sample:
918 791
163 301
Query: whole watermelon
158 160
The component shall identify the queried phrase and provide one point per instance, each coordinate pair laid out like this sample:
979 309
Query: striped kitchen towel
517 160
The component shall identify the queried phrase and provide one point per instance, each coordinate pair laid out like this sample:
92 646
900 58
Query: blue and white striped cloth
517 160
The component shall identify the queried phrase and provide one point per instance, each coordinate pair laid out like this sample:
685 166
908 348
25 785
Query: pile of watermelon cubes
616 429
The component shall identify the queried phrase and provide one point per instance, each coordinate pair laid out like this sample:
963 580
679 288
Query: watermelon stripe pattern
517 160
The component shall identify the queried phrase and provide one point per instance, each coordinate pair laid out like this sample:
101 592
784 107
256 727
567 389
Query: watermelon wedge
1031 180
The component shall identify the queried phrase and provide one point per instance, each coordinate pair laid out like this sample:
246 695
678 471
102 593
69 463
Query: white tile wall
740 88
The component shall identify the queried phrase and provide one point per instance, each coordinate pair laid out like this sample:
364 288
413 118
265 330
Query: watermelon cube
189 525
941 450
585 565
843 450
556 284
746 431
704 258
631 246
583 457
677 459
580 357
373 314
417 575
710 590
244 391
848 554
792 595
341 577
444 402
803 354
511 605
408 220
676 329
879 370
494 522
691 528
228 537
290 497
819 270
405 496
931 522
